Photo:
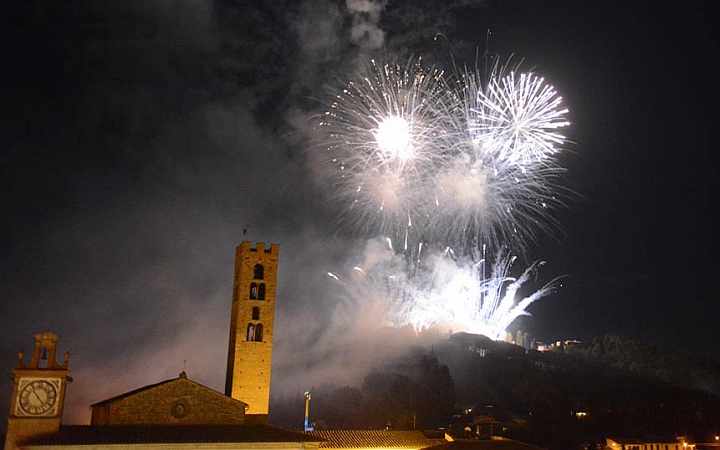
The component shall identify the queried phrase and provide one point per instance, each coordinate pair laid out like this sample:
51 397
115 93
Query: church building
181 413
175 413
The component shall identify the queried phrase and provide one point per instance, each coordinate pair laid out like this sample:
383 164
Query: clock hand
32 389
36 395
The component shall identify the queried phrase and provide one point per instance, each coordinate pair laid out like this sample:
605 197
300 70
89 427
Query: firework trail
476 302
451 293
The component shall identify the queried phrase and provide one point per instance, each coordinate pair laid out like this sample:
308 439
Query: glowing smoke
365 31
463 294
393 138
457 161
468 162
379 135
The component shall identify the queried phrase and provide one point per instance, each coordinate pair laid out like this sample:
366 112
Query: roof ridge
138 434
150 386
134 391
345 438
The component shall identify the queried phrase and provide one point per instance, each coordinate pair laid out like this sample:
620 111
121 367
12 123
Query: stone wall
176 402
249 362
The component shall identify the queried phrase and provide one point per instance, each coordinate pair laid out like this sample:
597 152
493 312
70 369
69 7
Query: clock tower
36 403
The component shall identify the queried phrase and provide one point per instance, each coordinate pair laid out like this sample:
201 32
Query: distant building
485 444
559 345
616 443
523 340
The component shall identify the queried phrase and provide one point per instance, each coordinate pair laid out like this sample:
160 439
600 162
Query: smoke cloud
182 130
365 31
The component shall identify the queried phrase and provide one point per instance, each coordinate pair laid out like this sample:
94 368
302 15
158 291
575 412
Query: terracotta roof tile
373 438
147 434
486 444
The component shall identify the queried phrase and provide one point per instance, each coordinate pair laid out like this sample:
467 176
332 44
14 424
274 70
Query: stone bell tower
251 328
38 395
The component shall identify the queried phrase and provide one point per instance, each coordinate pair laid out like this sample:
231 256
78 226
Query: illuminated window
256 313
259 272
254 291
250 332
258 332
261 292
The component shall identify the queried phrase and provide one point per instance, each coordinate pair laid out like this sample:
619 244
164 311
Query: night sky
141 138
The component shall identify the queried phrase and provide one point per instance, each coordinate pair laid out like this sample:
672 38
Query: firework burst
460 161
468 161
499 181
381 132
446 292
479 302
517 119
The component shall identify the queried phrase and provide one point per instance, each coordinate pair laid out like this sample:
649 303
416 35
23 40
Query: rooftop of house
154 434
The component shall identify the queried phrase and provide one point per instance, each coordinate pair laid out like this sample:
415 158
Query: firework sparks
489 191
459 162
517 119
393 138
467 162
459 294
380 133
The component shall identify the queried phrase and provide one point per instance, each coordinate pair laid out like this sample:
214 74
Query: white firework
484 193
446 292
380 132
517 119
477 302
461 162
468 162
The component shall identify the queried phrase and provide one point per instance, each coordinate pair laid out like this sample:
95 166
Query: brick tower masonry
251 328
38 395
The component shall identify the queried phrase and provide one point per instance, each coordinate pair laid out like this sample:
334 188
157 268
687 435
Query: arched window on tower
43 363
259 272
255 313
261 292
253 291
250 332
258 332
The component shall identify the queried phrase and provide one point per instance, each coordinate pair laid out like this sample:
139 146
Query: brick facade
43 365
179 401
249 361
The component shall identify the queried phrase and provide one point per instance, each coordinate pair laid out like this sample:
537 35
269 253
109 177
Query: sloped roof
645 439
182 376
153 434
485 444
373 438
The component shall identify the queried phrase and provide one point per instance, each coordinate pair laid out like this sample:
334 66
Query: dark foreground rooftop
153 434
489 444
373 439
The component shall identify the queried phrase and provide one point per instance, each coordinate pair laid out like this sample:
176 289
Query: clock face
38 396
